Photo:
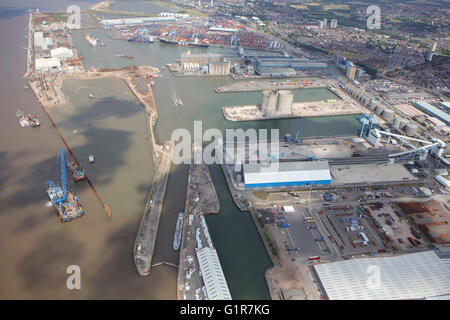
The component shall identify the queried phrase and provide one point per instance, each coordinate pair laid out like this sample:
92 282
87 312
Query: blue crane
297 136
63 196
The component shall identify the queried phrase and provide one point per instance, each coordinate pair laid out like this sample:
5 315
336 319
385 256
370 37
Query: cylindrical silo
388 114
379 109
411 129
271 108
397 122
265 99
285 100
403 123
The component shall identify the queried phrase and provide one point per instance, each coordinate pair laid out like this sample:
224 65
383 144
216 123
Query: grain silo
397 122
388 114
269 102
379 109
265 99
411 129
403 123
285 100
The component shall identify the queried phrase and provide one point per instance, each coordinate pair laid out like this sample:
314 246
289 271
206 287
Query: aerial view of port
225 150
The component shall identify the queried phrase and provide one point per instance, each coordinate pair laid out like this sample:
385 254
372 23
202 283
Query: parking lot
302 239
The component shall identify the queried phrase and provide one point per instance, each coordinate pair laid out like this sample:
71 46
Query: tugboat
33 120
64 201
77 172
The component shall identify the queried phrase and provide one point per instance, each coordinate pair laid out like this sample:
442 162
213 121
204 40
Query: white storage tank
285 100
397 122
379 109
388 114
372 104
411 129
403 123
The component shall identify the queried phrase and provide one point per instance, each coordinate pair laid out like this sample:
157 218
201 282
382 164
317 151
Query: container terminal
186 33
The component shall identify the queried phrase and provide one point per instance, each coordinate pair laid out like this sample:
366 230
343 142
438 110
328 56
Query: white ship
178 230
92 41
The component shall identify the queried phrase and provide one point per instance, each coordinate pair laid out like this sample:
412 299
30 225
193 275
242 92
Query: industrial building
284 174
110 22
351 71
275 72
41 41
420 275
61 53
47 64
287 62
212 274
217 64
219 68
333 24
445 105
432 111
444 182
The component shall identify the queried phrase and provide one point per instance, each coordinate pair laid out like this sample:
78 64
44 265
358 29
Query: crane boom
63 175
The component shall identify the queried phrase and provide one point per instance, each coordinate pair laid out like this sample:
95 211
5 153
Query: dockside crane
297 136
63 196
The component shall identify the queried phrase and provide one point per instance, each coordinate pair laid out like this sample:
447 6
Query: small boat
176 99
91 158
33 120
91 96
178 230
77 172
178 102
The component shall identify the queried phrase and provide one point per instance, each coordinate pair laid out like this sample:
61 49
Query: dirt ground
285 275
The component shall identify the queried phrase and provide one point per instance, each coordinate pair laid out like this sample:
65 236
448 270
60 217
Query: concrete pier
201 199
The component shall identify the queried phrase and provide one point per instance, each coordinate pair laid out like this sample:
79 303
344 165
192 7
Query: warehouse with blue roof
286 174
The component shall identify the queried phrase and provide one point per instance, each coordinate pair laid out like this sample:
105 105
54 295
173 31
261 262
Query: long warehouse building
284 174
212 274
422 275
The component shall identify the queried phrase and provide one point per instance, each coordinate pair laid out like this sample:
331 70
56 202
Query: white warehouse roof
61 52
47 63
212 274
410 276
291 173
